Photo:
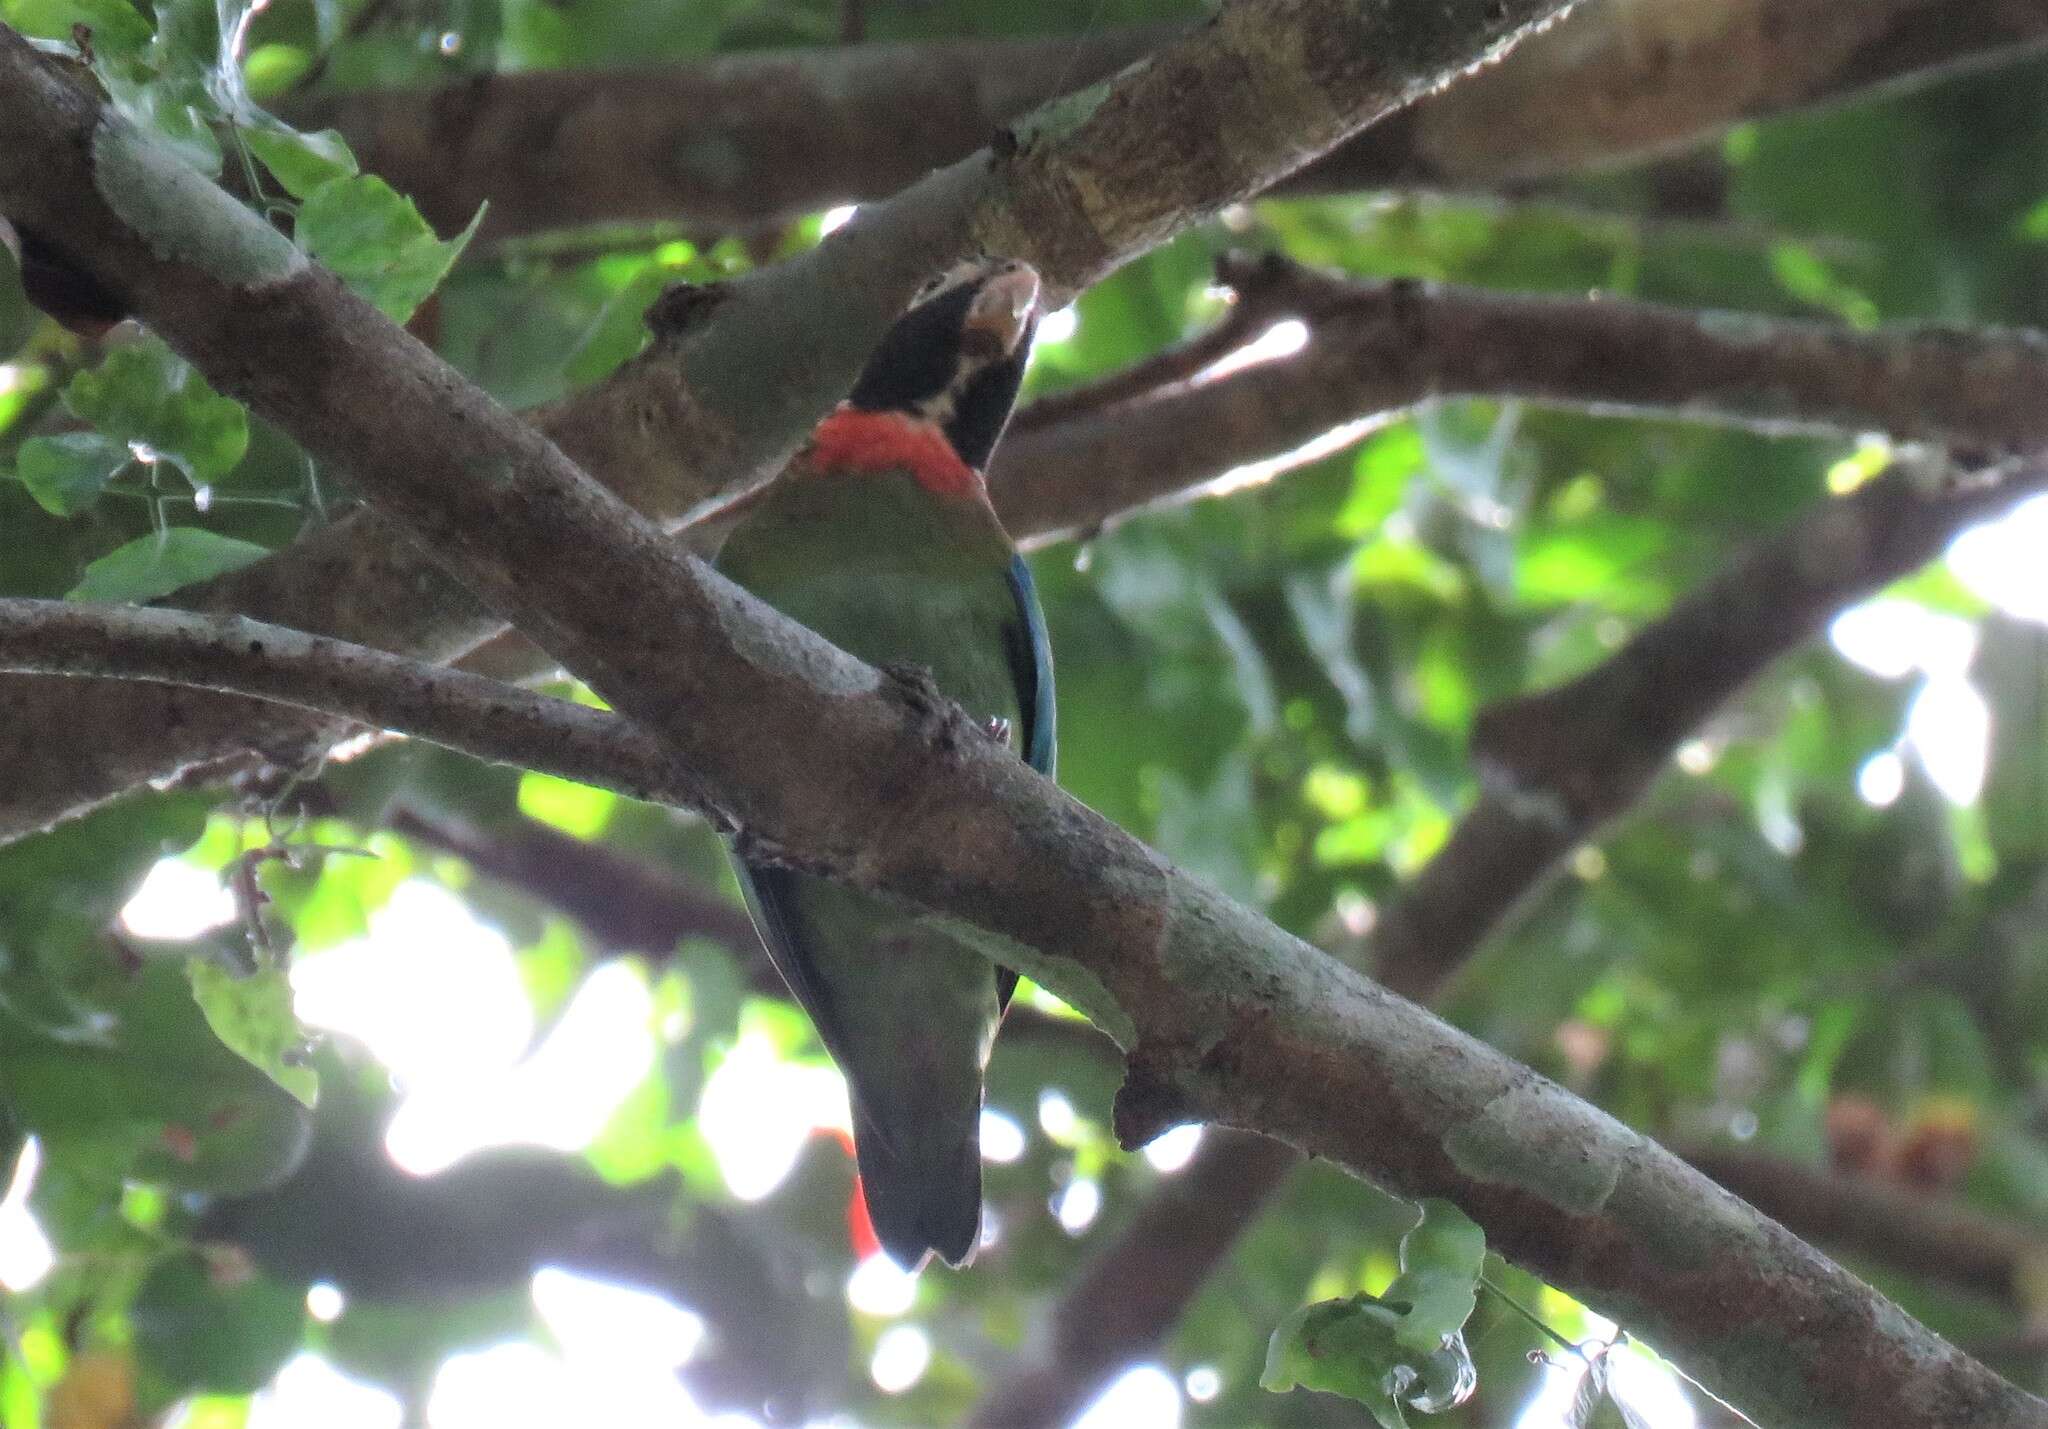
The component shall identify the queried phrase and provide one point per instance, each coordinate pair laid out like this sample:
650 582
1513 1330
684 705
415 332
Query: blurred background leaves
1818 937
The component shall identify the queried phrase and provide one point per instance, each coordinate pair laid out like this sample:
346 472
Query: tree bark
750 139
737 375
1223 1015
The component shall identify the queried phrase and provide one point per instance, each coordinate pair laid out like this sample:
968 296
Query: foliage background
1276 689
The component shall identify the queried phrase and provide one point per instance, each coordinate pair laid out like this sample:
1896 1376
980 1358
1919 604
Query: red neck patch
871 442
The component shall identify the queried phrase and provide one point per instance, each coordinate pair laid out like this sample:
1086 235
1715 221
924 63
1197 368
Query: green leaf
376 242
65 474
1439 1279
1342 1346
156 565
253 1016
1398 1351
143 1089
116 25
578 809
1605 558
147 394
300 161
215 1322
271 70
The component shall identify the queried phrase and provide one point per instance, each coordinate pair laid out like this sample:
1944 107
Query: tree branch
746 139
1503 850
232 654
727 142
1375 349
626 904
734 381
1180 1235
1557 765
1910 1230
1225 1016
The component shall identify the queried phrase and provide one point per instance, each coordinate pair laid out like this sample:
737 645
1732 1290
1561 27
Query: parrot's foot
998 729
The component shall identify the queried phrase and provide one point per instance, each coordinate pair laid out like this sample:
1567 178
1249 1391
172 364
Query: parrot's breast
856 443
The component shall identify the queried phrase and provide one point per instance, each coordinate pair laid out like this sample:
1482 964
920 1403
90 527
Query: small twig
1532 1317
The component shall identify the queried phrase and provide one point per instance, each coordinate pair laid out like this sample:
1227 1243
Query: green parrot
881 538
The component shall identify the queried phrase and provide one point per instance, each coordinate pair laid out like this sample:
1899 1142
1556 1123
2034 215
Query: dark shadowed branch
1896 1225
749 139
1377 349
626 904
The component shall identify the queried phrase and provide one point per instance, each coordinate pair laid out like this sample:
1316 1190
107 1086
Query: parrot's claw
998 729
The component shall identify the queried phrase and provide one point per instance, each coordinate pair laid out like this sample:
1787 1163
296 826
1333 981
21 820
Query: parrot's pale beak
1003 310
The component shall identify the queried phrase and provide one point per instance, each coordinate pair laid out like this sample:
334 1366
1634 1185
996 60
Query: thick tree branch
1909 1230
1187 1228
1152 434
734 379
726 142
1226 1017
1375 349
1503 850
747 139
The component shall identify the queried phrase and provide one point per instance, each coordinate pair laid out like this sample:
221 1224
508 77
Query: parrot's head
954 361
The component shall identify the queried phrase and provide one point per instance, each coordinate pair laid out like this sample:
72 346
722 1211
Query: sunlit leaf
302 161
272 70
115 25
252 1014
579 809
1440 1264
376 242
